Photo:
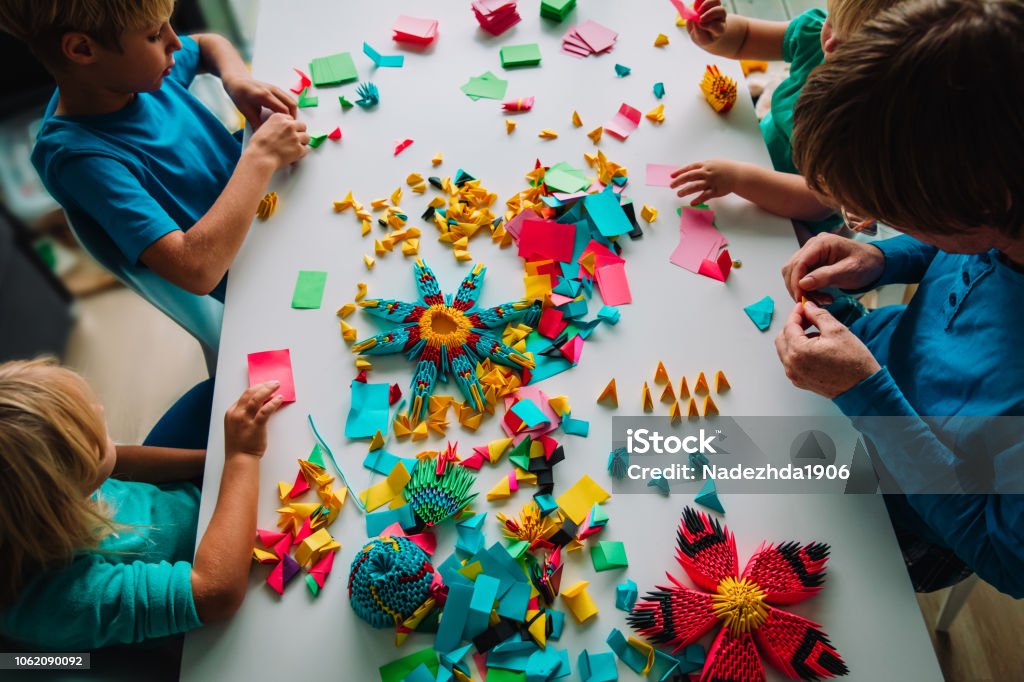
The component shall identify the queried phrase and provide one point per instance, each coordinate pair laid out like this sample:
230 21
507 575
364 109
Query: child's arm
735 36
220 572
197 259
158 465
783 194
218 56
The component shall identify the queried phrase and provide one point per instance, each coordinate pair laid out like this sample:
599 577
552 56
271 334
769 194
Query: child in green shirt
805 42
98 539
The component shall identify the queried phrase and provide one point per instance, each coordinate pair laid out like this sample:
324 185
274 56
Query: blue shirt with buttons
950 357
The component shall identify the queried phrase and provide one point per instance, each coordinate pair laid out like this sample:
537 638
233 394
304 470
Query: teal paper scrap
606 213
378 59
626 594
369 411
708 496
761 312
597 667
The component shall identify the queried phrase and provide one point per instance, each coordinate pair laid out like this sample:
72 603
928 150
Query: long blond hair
51 441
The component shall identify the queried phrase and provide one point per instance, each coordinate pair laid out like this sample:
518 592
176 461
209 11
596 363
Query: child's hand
245 422
710 178
282 138
830 260
711 25
828 363
251 97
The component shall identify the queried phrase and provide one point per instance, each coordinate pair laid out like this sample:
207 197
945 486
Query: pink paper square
599 38
624 122
273 365
611 279
660 175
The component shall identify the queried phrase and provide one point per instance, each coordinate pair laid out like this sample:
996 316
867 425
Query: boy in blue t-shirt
805 42
148 176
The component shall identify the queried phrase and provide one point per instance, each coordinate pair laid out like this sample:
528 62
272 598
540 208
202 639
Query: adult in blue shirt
924 156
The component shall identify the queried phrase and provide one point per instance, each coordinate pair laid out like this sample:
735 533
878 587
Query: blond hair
51 440
42 23
848 16
915 122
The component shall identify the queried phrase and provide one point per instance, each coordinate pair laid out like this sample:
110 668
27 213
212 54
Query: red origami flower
776 575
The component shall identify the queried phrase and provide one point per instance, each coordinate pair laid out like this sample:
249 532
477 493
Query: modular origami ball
390 578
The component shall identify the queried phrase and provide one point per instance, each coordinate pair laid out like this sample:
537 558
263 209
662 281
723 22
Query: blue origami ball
390 578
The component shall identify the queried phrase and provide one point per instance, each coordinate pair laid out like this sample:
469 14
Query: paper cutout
267 206
496 16
624 122
520 55
510 125
686 13
335 134
661 374
273 365
710 409
556 10
580 498
607 215
547 134
645 399
401 145
699 240
414 30
369 410
589 38
519 105
595 134
369 95
708 496
309 289
579 602
721 383
379 60
661 40
334 69
649 214
659 90
305 100
485 86
608 555
597 667
614 286
441 324
657 114
304 82
626 594
659 175
719 90
383 492
622 71
609 396
761 312
776 575
691 410
576 120
717 269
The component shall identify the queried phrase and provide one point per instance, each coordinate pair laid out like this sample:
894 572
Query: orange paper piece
547 134
510 125
576 120
691 411
645 398
595 134
684 392
609 396
668 395
710 409
701 387
674 415
661 40
721 383
660 375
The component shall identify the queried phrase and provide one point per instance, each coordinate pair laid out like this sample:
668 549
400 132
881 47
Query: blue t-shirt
951 355
130 177
801 48
138 587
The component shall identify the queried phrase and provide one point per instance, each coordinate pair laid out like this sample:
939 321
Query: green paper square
520 55
608 555
309 289
306 100
399 669
334 69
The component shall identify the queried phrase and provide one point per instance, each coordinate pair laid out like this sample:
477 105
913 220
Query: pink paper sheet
597 37
659 175
272 365
611 279
699 239
624 122
541 239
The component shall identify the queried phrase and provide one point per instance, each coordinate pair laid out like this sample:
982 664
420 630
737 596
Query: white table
690 322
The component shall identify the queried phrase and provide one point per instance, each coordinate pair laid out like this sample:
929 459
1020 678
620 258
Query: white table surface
691 322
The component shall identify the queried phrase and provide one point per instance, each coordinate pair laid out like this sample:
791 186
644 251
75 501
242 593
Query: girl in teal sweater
98 539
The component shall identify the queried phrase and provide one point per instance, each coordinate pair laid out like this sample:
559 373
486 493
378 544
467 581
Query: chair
955 601
200 316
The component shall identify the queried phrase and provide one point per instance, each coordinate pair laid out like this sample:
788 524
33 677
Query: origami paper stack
389 581
556 10
589 38
496 16
744 604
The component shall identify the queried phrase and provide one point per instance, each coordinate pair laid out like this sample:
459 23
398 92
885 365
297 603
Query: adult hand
282 139
711 24
707 179
245 422
830 260
828 363
251 97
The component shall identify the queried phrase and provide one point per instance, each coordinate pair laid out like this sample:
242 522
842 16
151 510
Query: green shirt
137 587
801 48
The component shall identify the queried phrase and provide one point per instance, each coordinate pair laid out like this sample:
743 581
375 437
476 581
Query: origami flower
447 335
776 575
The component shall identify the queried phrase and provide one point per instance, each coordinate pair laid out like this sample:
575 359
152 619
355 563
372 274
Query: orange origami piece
701 387
660 374
668 395
268 204
645 397
674 415
719 90
721 383
595 134
609 396
684 391
710 409
691 411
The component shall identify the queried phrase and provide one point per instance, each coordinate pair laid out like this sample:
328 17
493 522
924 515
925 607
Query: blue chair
200 316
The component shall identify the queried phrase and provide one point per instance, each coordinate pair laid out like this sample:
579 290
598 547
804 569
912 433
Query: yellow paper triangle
701 387
645 397
721 383
660 375
576 121
609 396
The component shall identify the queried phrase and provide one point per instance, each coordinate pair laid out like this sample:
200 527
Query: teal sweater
136 587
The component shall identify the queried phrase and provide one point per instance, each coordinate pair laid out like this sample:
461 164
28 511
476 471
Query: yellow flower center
442 325
740 605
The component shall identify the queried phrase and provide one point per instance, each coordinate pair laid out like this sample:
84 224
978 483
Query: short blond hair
42 23
51 441
847 16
